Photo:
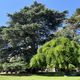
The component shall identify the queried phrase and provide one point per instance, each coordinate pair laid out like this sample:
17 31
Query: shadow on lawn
59 74
48 74
16 74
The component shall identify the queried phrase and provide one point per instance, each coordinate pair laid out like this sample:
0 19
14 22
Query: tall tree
30 28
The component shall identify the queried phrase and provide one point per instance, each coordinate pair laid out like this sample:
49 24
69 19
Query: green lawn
34 77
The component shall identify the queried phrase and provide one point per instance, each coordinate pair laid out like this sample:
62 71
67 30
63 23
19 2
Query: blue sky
10 6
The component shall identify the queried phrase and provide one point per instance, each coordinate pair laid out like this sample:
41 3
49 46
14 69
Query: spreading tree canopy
29 28
58 53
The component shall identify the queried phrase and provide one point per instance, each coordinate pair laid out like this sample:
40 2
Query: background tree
74 20
68 33
73 24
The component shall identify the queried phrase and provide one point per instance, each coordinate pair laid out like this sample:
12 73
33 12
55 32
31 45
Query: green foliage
59 52
26 30
66 32
74 20
38 61
33 26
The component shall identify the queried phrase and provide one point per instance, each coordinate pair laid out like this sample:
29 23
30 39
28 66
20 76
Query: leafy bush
58 53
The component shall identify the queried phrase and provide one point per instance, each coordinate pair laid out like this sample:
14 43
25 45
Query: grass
36 77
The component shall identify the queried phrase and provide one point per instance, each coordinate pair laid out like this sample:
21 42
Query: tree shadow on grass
48 74
16 74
